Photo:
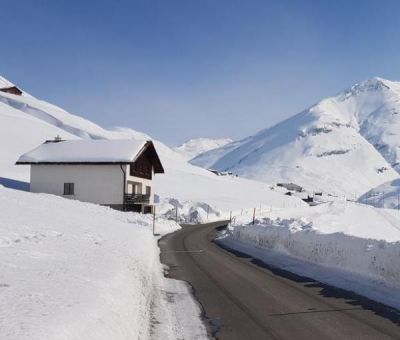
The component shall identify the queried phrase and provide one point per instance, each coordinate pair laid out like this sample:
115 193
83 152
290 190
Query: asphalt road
245 299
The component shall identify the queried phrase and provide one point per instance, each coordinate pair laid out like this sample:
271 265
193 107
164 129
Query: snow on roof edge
119 151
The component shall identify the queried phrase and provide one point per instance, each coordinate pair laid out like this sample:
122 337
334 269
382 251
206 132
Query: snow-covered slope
345 144
386 195
197 146
26 122
81 271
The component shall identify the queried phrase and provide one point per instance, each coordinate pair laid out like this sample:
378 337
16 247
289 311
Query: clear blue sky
191 68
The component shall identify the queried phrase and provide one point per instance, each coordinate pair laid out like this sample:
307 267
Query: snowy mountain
197 146
386 195
26 122
346 144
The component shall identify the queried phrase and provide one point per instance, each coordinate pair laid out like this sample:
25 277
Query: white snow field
73 270
197 146
351 246
343 145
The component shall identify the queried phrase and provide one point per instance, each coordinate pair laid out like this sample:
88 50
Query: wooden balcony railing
136 198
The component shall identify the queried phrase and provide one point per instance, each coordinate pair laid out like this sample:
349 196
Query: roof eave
72 163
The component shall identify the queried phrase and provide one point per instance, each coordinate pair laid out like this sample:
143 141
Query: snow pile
358 245
197 146
188 211
81 271
344 145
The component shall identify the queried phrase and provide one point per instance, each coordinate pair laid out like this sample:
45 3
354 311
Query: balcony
136 199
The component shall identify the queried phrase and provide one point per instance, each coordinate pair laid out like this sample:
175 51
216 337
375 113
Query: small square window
69 189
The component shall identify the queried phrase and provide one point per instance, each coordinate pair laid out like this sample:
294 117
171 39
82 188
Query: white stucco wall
101 184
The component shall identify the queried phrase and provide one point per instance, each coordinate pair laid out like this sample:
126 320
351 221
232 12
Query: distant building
12 89
115 173
290 186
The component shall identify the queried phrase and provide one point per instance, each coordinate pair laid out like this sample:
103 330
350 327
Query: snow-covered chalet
115 173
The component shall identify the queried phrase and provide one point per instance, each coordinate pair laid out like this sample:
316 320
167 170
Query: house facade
115 173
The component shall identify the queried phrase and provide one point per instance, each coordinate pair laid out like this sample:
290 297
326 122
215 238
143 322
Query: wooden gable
12 89
145 162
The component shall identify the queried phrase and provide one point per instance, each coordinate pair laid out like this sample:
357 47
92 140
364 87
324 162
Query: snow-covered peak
372 86
340 145
197 146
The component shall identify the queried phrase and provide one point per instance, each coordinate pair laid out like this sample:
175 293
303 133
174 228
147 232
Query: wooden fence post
154 220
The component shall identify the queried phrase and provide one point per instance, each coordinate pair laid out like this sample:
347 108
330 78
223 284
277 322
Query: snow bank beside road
368 265
187 211
72 270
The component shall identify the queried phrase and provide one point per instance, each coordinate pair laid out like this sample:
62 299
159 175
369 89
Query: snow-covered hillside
26 122
386 195
197 146
81 271
345 144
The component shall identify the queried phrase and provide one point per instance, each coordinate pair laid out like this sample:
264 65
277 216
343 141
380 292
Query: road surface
243 299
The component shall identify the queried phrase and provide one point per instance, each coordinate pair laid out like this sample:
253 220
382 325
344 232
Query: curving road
244 299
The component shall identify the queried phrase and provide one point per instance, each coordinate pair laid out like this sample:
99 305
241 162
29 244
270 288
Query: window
148 190
69 189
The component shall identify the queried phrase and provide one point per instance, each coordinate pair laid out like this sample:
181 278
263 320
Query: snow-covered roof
5 83
86 151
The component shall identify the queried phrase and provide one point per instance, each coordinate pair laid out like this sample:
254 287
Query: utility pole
254 216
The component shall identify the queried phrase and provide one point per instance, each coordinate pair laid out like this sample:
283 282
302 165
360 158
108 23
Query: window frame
69 189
